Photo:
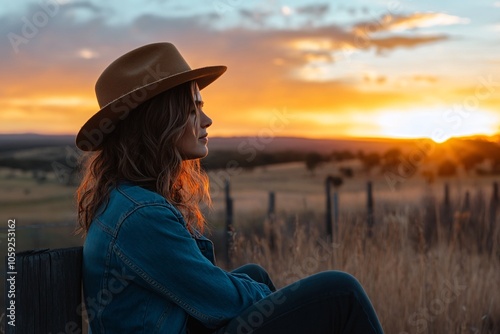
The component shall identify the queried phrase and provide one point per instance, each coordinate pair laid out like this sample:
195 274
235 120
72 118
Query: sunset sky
357 68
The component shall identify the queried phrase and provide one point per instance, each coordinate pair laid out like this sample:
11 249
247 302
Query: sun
440 140
437 124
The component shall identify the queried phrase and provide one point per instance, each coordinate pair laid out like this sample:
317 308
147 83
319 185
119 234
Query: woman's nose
205 120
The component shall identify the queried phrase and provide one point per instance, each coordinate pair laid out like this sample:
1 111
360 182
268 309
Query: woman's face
194 140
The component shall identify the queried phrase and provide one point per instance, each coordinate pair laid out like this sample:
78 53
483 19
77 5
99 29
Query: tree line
480 157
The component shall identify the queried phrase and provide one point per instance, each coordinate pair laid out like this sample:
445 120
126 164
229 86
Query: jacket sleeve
154 243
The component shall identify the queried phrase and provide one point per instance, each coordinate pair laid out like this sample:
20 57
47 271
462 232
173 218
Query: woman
147 266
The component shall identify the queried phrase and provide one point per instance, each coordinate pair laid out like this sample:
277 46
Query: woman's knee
336 282
251 268
257 273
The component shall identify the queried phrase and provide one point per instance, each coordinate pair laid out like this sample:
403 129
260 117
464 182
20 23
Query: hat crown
138 68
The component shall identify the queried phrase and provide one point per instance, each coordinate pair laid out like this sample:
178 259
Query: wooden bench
48 293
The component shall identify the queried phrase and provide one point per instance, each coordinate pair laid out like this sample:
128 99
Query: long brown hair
142 149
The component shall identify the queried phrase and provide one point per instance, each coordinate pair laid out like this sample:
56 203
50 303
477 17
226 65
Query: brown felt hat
134 78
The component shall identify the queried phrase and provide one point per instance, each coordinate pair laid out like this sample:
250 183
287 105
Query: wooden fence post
328 218
335 215
494 203
271 206
271 218
446 216
466 205
229 222
370 213
430 219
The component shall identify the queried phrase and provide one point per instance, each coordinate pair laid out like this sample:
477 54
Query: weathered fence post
271 206
494 203
430 219
229 222
328 217
446 215
332 229
271 219
466 205
335 214
370 213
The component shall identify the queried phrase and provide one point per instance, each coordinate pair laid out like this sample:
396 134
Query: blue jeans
327 302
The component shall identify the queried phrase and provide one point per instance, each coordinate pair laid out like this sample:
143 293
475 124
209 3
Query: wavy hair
142 149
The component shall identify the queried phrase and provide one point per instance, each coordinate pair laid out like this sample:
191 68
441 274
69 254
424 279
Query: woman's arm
154 243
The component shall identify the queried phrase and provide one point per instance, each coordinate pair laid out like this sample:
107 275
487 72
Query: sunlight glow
53 101
334 125
437 124
287 11
316 44
87 54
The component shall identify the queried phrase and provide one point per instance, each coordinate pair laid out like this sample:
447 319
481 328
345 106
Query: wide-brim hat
134 78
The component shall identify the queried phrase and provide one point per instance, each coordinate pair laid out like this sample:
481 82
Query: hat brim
93 133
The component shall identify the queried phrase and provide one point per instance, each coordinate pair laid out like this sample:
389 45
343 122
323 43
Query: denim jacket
143 272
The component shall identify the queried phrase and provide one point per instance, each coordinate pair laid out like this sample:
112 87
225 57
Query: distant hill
15 142
23 141
322 146
40 152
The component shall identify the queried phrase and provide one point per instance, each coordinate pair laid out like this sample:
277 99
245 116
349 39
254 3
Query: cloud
334 42
79 50
425 78
256 16
407 22
372 77
65 57
317 11
82 5
390 43
308 15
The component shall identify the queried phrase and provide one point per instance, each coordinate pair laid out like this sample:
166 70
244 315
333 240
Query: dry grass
28 201
440 282
422 275
416 286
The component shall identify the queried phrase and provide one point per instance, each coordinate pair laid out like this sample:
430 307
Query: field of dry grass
445 284
443 289
30 202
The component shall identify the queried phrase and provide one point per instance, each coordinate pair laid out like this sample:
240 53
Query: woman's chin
199 154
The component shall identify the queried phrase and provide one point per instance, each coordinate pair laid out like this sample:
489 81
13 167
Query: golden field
447 284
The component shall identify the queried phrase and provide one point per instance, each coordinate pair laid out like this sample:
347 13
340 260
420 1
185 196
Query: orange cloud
48 86
390 22
389 43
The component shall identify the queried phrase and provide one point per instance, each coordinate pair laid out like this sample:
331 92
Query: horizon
495 136
306 69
